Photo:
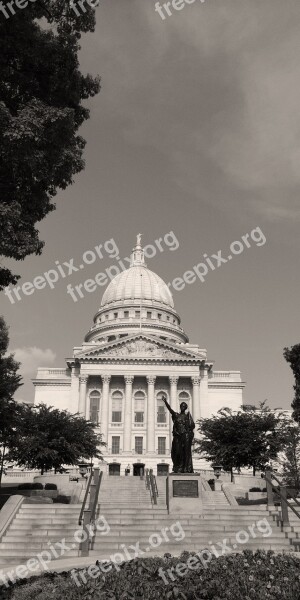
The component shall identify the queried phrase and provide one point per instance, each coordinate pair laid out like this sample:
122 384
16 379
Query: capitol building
135 351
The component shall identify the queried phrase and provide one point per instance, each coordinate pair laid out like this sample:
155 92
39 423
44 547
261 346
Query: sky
195 131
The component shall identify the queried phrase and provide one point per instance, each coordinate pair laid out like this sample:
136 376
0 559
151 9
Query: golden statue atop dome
139 239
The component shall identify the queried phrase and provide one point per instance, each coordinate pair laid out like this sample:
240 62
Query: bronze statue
183 435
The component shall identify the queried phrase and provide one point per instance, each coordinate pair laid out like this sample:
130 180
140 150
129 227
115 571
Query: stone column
151 414
173 401
196 413
74 403
128 413
204 400
82 394
105 407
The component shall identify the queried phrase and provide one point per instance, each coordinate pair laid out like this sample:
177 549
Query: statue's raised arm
164 398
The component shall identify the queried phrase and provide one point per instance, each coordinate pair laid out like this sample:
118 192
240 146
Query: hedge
246 576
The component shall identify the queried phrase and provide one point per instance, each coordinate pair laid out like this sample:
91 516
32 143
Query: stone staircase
138 526
133 520
35 527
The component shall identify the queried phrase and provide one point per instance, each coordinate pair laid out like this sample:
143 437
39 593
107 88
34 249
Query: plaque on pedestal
184 493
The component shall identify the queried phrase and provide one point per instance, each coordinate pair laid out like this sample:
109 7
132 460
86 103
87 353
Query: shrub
264 489
37 486
50 486
255 489
25 486
258 576
211 482
62 499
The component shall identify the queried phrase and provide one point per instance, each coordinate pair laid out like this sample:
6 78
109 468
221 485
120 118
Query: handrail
95 503
85 497
153 486
280 483
89 515
147 480
284 501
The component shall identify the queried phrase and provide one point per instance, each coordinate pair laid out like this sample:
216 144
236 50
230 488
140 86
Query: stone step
41 539
42 526
25 554
33 546
176 550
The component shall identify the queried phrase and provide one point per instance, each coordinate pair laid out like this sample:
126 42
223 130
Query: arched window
184 397
139 406
116 406
161 409
94 406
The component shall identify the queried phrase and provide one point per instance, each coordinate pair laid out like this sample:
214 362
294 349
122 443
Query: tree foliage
49 438
247 438
41 110
290 458
10 381
292 356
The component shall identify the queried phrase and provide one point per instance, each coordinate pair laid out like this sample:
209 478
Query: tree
292 356
290 458
49 438
247 438
41 94
10 381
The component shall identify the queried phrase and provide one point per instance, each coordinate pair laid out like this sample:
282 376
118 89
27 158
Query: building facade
135 351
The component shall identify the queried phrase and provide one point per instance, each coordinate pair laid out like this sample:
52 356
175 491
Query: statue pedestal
184 493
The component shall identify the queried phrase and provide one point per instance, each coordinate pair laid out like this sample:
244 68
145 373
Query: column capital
106 378
173 379
195 380
83 378
129 379
151 379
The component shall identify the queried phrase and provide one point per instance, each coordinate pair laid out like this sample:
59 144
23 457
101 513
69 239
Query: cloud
32 357
215 90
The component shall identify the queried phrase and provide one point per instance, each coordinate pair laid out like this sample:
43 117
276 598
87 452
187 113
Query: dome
137 283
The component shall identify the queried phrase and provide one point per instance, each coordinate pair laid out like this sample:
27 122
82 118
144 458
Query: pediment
138 347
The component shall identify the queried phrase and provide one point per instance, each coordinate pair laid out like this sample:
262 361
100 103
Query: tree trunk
254 470
2 464
231 475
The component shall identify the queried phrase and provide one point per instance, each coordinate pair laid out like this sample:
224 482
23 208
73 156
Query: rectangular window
139 417
139 445
149 315
126 314
159 316
161 414
161 445
116 315
137 314
116 415
94 410
115 444
139 406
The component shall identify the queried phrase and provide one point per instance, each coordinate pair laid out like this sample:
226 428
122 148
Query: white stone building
135 350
